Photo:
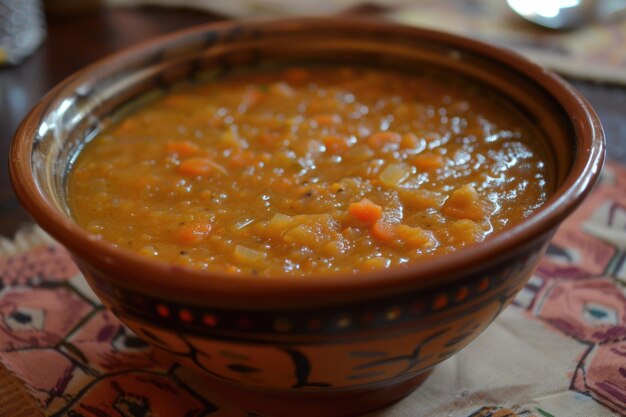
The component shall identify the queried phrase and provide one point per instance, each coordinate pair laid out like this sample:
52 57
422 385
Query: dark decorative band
391 311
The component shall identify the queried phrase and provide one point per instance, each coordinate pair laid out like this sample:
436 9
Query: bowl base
316 404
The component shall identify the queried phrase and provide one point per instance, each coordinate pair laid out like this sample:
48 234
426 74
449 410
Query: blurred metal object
22 29
567 14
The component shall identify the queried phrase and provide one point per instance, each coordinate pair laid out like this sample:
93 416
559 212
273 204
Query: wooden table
78 39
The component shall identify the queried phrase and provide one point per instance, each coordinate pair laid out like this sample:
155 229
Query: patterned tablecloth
596 51
558 351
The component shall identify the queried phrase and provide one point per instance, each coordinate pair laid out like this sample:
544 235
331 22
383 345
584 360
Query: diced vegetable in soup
311 171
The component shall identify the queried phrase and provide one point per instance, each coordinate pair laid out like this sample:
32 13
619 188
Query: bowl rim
238 290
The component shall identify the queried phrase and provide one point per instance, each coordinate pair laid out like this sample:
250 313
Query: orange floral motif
139 394
52 262
39 317
502 412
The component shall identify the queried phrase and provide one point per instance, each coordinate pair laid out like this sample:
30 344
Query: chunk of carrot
182 148
428 161
327 119
366 211
335 144
411 141
379 139
196 167
192 233
384 231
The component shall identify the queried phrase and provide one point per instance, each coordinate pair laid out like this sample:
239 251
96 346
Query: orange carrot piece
384 231
366 211
428 161
410 141
182 148
193 233
379 139
327 119
335 144
195 167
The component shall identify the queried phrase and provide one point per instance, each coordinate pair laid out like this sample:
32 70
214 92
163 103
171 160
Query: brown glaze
355 334
312 404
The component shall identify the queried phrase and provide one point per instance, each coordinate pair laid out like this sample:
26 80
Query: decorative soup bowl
329 345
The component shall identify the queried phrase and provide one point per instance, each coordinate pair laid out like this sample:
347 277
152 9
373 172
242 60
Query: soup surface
311 171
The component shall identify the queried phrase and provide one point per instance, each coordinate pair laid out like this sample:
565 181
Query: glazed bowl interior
53 134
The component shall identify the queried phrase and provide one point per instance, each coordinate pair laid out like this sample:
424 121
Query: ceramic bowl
319 346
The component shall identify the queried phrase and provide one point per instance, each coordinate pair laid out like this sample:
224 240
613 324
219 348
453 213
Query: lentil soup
311 171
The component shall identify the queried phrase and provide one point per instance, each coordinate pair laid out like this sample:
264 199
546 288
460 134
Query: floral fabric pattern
558 351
